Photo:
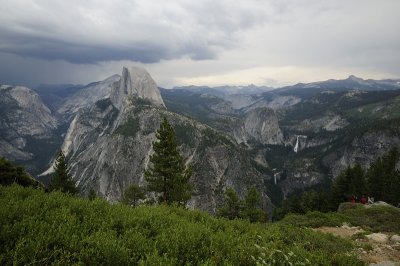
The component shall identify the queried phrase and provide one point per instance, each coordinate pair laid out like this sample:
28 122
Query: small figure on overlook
353 199
363 200
370 200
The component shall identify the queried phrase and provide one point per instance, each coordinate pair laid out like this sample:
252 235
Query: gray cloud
267 42
145 31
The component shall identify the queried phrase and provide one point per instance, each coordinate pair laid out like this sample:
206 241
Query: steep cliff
136 82
87 96
108 145
284 140
259 125
304 135
27 126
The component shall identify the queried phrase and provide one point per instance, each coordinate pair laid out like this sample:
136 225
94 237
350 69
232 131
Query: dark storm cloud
144 52
203 42
144 31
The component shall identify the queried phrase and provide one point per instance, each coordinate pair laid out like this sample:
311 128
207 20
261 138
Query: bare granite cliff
108 146
260 125
25 124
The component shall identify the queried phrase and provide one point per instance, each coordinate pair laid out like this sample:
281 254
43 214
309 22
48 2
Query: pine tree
92 194
357 181
252 206
167 173
10 173
133 194
340 188
232 205
62 179
383 180
350 182
248 208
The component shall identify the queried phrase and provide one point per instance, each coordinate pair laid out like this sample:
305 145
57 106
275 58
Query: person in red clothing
363 200
353 199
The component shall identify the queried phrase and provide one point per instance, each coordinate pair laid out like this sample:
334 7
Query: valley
283 140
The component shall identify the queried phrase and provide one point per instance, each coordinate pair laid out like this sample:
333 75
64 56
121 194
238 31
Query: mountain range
280 140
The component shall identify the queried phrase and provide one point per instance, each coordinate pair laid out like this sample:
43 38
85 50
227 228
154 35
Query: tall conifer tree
62 179
167 173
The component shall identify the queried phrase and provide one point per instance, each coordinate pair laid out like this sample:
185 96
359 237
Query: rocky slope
87 96
283 140
26 124
54 95
304 135
108 145
259 125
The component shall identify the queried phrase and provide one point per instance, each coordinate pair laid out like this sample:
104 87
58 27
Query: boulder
384 263
378 237
395 239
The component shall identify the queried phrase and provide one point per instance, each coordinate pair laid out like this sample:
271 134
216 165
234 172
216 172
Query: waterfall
296 147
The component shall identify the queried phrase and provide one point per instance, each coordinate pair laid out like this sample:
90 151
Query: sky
202 42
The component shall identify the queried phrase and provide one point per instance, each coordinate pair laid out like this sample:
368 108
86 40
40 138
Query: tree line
167 179
380 181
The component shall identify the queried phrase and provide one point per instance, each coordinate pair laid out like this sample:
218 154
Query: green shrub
55 228
374 218
130 128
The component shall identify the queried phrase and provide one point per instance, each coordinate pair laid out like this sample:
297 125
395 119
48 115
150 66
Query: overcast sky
233 42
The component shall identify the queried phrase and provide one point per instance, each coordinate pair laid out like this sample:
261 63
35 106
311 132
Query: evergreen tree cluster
248 208
62 179
308 201
380 181
133 194
350 183
10 173
167 174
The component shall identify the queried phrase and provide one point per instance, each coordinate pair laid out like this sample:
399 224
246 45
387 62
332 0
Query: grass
55 228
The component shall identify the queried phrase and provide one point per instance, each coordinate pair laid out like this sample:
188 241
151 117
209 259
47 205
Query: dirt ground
369 251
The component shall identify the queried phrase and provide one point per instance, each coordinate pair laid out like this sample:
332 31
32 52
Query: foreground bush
375 218
55 228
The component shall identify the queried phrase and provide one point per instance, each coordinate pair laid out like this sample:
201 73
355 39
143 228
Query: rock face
261 125
287 139
22 116
108 146
395 238
363 150
136 82
329 122
87 96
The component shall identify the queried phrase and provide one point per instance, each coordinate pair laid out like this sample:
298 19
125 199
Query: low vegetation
10 173
130 128
374 218
58 228
248 208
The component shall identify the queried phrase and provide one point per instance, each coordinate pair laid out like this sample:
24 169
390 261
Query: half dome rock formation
109 142
136 83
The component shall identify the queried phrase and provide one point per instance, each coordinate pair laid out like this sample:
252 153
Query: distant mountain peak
354 78
136 81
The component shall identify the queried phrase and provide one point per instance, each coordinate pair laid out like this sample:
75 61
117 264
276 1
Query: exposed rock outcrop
261 125
136 82
88 95
363 150
329 122
109 144
24 120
